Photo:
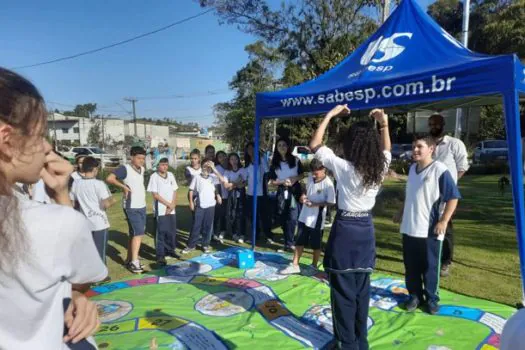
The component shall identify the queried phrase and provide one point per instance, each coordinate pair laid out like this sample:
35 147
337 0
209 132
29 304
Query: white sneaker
221 235
290 270
240 240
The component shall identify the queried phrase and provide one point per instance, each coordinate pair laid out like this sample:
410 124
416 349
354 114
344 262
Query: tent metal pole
512 126
256 157
466 18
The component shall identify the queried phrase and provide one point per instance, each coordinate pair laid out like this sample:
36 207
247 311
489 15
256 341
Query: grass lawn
486 263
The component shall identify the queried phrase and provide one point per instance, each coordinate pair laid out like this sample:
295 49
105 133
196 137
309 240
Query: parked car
303 153
106 159
491 151
399 148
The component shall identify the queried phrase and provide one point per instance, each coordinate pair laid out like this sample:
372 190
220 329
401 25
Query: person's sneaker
290 270
445 270
221 236
412 304
162 262
292 248
433 307
134 267
187 250
206 250
270 241
240 240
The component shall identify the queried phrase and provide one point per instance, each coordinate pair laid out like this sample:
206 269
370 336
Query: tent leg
512 120
255 176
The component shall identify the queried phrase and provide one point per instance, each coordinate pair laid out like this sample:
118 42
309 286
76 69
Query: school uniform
288 206
312 219
189 174
39 193
135 205
204 210
219 222
235 204
427 192
350 252
452 152
263 217
165 224
89 194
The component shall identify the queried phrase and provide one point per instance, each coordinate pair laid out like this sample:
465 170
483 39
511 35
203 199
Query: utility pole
133 100
386 10
55 132
466 17
102 126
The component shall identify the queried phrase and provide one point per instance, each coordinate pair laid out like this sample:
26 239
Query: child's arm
112 179
173 201
450 208
192 206
159 198
108 202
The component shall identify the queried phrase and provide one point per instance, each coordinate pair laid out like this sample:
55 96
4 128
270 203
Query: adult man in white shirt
453 153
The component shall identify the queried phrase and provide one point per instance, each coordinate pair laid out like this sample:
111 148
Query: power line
115 44
197 94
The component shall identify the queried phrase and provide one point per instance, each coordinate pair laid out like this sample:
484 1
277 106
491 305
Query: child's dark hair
247 158
289 158
209 147
217 156
137 150
164 161
22 107
362 148
90 164
195 151
316 164
426 138
78 157
233 154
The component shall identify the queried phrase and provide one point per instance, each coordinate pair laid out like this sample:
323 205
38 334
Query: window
76 130
65 130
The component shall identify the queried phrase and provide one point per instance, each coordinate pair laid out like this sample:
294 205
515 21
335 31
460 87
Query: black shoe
412 304
445 270
134 268
162 262
174 255
433 307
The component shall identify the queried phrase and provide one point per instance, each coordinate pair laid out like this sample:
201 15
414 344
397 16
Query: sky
191 59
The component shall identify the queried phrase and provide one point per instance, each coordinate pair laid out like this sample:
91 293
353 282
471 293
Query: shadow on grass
122 239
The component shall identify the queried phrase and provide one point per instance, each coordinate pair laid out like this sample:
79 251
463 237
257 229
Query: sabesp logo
386 46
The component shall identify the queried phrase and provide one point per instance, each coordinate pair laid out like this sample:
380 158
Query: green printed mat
208 303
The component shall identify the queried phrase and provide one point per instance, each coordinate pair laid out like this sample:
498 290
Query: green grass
486 263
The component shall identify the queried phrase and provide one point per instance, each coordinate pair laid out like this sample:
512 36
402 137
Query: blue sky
189 59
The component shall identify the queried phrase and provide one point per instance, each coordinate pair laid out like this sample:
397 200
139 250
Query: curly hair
362 148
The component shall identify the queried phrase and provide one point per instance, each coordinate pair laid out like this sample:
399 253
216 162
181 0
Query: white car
490 151
303 153
106 160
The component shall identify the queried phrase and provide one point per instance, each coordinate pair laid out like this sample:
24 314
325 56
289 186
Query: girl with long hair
47 251
350 252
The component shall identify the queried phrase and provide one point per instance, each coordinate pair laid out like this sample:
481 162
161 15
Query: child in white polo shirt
319 195
163 187
431 198
205 186
92 198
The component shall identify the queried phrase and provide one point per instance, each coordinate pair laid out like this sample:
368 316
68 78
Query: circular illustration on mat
111 310
268 271
225 303
320 315
187 268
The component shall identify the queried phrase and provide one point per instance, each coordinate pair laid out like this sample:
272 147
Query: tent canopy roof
410 61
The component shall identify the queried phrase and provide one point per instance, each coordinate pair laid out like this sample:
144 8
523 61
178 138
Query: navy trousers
202 224
422 257
166 235
350 296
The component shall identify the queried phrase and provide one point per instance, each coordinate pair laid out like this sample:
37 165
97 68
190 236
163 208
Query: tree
94 134
299 41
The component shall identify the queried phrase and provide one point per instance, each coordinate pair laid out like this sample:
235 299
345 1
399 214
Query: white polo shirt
249 175
453 153
134 179
351 195
205 187
427 191
164 187
39 193
89 193
317 192
60 252
233 177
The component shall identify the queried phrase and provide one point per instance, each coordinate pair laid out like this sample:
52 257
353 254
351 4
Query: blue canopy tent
411 63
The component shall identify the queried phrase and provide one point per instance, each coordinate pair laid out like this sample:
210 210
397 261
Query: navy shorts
309 237
136 221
